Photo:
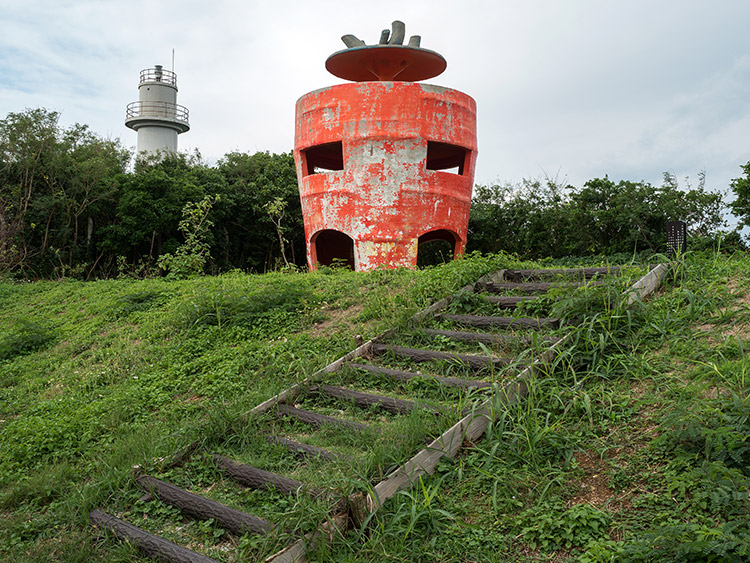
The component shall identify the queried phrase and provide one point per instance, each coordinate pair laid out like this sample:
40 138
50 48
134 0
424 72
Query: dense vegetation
70 206
632 448
603 217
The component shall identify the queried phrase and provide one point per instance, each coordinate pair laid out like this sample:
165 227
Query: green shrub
681 543
549 527
716 430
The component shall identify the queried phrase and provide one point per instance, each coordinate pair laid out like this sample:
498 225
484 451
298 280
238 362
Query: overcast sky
573 89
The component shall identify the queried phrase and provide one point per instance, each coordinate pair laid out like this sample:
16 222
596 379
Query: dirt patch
739 327
594 487
336 317
53 391
738 288
190 399
562 555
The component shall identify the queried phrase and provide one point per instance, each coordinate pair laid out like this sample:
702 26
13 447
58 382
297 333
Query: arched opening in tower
436 247
333 247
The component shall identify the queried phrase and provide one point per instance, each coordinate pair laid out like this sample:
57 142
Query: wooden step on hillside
400 375
486 337
317 419
302 450
529 287
255 478
367 400
231 519
481 321
508 302
419 355
586 273
149 544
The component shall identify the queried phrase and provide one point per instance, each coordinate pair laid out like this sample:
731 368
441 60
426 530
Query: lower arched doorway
331 247
436 247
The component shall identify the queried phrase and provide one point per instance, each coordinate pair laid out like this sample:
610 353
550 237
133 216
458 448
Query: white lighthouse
156 116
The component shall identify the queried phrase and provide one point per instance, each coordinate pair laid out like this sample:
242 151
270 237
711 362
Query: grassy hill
635 443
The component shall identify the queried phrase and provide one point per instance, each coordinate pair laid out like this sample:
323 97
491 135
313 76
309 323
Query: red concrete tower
384 163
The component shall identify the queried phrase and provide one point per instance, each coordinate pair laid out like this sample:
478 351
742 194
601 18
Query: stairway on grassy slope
425 388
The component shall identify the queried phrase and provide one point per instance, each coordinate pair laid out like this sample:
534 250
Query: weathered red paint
384 198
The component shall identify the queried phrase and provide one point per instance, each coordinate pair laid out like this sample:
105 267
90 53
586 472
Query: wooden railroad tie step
366 400
302 450
400 375
149 544
520 275
419 355
480 321
488 338
316 419
508 302
233 520
255 478
530 287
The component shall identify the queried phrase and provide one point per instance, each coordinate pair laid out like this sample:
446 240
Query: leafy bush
727 543
603 217
190 257
549 527
717 430
709 488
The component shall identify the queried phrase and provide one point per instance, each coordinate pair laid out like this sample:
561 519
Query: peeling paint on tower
384 164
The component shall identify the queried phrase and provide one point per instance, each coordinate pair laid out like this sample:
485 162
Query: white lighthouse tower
156 116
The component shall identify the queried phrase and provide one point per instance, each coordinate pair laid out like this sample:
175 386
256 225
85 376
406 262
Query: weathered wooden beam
470 428
316 419
300 449
508 302
400 375
236 521
296 553
647 284
149 544
255 478
367 400
587 273
530 287
486 337
419 355
480 321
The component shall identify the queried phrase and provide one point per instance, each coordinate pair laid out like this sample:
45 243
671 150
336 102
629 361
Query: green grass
98 377
636 440
632 448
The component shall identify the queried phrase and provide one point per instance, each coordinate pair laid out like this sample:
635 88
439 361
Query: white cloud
583 87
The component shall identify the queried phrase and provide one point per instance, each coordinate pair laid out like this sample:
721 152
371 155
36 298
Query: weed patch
24 337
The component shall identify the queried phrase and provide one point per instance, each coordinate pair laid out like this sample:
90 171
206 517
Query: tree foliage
741 188
71 206
191 256
259 187
538 219
55 184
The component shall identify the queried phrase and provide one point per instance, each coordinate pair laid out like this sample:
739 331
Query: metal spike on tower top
390 59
